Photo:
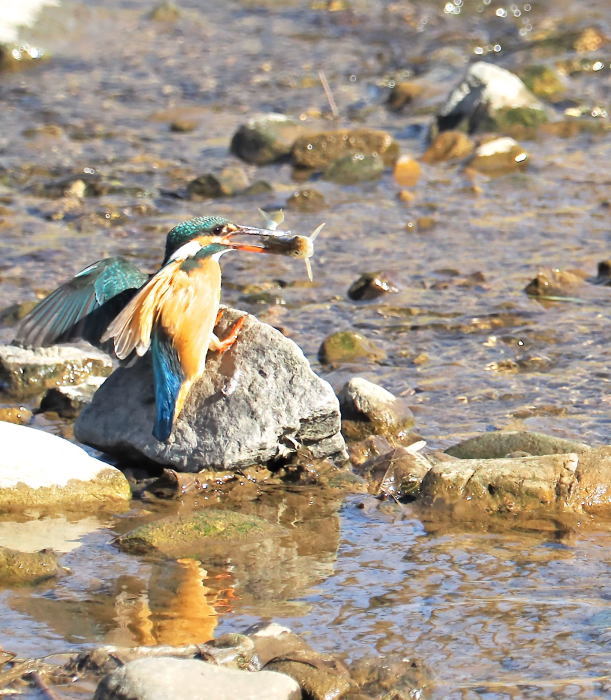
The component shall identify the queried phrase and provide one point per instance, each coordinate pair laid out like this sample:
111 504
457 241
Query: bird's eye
218 229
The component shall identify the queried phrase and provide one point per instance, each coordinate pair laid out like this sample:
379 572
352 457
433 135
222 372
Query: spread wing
84 306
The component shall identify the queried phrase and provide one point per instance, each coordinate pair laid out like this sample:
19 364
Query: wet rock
568 482
68 401
165 12
258 402
229 182
40 469
407 171
369 409
354 168
306 200
24 372
266 138
27 567
603 274
395 676
448 145
589 39
320 676
544 82
499 156
318 151
501 443
398 473
371 285
183 126
208 530
487 97
403 93
165 677
17 56
555 283
19 415
349 346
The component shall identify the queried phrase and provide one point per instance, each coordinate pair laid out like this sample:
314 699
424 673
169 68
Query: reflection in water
177 608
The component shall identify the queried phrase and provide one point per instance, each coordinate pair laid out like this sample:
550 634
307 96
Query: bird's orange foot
230 338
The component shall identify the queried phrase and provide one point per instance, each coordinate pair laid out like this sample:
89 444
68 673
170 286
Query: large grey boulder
163 678
257 403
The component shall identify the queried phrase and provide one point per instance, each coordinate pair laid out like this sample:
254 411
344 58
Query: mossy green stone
529 117
347 346
197 532
543 81
353 168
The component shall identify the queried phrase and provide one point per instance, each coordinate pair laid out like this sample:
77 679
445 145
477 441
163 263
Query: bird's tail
168 378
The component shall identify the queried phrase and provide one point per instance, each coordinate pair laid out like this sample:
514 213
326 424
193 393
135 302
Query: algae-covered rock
318 151
369 409
260 401
486 93
203 531
27 567
38 469
501 443
266 138
544 82
25 371
15 414
348 346
354 168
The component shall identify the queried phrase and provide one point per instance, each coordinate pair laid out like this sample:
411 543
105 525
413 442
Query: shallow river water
492 612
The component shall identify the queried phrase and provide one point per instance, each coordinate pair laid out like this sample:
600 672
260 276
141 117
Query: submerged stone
348 346
38 469
448 145
266 138
354 168
27 567
25 371
227 183
555 283
256 403
198 532
307 200
162 678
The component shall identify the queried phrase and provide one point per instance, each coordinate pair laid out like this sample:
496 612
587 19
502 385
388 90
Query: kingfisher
172 312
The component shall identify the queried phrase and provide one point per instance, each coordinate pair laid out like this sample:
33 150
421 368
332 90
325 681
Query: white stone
166 678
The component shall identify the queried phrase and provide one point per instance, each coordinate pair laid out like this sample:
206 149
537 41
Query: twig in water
329 95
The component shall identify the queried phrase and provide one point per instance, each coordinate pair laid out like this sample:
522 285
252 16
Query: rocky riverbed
458 322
